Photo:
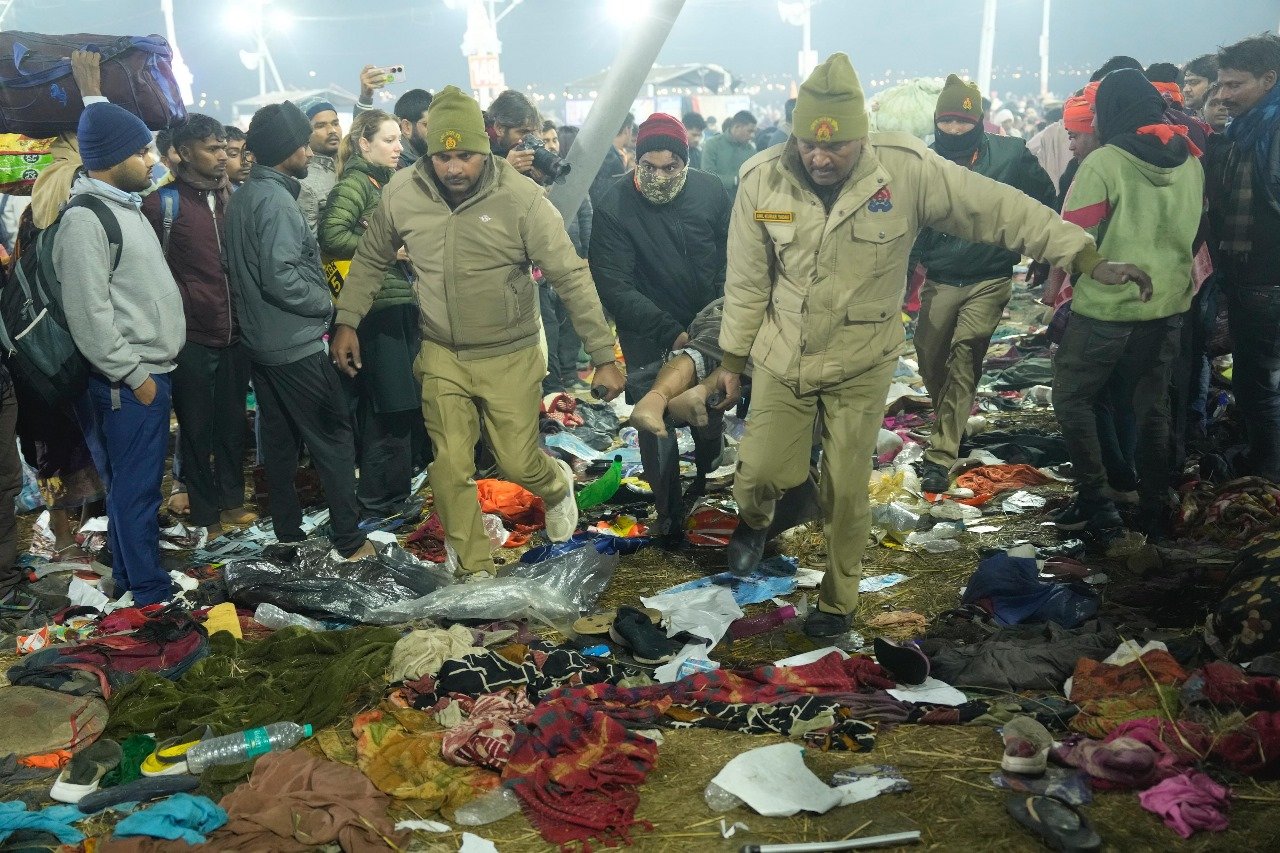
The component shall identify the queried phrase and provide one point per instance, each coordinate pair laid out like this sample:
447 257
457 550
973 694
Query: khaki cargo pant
951 340
774 457
504 392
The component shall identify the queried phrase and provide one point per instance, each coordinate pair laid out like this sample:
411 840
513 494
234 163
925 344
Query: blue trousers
129 442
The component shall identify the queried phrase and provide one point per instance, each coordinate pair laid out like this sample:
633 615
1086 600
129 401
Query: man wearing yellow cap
473 227
817 263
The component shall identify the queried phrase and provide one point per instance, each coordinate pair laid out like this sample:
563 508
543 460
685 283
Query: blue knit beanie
109 135
313 106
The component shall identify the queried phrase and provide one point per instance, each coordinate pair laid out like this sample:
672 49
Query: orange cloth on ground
522 510
993 479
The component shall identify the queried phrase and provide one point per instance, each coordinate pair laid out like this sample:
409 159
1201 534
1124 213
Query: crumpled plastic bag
319 586
555 591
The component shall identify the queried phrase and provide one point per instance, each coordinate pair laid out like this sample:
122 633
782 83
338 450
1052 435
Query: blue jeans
129 442
1254 314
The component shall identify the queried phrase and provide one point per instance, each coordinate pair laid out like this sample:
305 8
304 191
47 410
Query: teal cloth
182 816
55 820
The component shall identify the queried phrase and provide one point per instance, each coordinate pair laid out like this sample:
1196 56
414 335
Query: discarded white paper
423 826
875 583
985 528
472 843
774 781
933 691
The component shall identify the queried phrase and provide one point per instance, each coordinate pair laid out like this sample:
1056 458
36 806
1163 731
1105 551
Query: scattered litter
774 781
873 771
932 692
1020 502
728 830
472 843
986 528
876 583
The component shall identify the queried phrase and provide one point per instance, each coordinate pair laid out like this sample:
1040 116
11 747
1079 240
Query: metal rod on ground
621 85
824 846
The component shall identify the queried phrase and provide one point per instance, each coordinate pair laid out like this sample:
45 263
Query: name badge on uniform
775 216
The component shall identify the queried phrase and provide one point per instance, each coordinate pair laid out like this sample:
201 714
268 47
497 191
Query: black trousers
386 457
10 484
209 389
299 403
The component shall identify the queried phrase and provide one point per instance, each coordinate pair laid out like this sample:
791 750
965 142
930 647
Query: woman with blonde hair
387 399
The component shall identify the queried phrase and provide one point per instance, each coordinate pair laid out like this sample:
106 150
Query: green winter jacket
352 201
724 157
955 261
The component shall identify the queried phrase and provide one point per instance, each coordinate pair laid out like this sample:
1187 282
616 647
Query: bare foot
366 550
648 414
180 504
213 531
691 406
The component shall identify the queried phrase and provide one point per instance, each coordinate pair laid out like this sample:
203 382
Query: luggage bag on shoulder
39 97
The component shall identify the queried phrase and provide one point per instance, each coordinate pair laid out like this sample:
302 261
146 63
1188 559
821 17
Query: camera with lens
544 161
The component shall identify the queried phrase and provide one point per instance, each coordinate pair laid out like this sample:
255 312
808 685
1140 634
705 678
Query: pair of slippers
83 773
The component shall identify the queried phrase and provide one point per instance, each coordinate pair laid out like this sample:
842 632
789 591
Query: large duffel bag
39 97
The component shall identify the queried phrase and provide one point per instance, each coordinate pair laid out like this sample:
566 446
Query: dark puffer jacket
351 202
951 260
657 265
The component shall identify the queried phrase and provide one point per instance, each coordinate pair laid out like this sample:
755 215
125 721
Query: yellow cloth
222 617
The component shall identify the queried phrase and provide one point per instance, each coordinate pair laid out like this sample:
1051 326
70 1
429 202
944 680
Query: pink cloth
1189 803
484 738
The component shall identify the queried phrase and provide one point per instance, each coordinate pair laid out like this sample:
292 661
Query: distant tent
907 107
700 78
243 110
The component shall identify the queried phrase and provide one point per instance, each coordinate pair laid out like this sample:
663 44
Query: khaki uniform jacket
472 264
816 300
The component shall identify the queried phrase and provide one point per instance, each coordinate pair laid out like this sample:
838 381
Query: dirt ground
952 802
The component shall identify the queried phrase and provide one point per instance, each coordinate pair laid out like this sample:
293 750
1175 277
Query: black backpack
33 327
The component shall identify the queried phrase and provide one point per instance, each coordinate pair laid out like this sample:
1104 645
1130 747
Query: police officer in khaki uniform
817 263
473 227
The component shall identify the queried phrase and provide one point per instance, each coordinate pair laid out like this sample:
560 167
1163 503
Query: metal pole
262 59
987 47
619 89
1044 53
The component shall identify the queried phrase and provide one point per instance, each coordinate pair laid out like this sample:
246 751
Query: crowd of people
406 292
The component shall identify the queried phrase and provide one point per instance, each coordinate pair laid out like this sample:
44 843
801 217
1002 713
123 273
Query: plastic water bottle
270 616
243 746
691 665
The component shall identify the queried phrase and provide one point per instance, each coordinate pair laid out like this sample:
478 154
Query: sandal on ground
142 790
169 758
1058 825
1026 746
84 772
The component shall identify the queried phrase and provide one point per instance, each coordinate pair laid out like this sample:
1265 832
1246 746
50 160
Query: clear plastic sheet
317 585
554 591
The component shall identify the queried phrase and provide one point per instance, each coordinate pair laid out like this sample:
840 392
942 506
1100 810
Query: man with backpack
124 312
212 376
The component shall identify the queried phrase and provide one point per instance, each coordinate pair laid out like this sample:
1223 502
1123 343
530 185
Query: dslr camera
543 160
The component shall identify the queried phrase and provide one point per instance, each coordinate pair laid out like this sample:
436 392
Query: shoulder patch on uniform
775 216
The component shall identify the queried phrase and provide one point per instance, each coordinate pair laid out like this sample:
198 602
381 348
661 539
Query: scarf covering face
660 189
960 148
1129 114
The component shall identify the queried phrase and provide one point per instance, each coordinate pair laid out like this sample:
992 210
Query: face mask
660 189
958 147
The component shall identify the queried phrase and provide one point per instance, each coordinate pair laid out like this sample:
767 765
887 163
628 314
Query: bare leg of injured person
676 392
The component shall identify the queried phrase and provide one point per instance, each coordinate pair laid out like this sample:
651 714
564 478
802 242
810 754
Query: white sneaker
562 519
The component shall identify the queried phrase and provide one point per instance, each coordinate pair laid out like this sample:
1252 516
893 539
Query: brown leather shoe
238 517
